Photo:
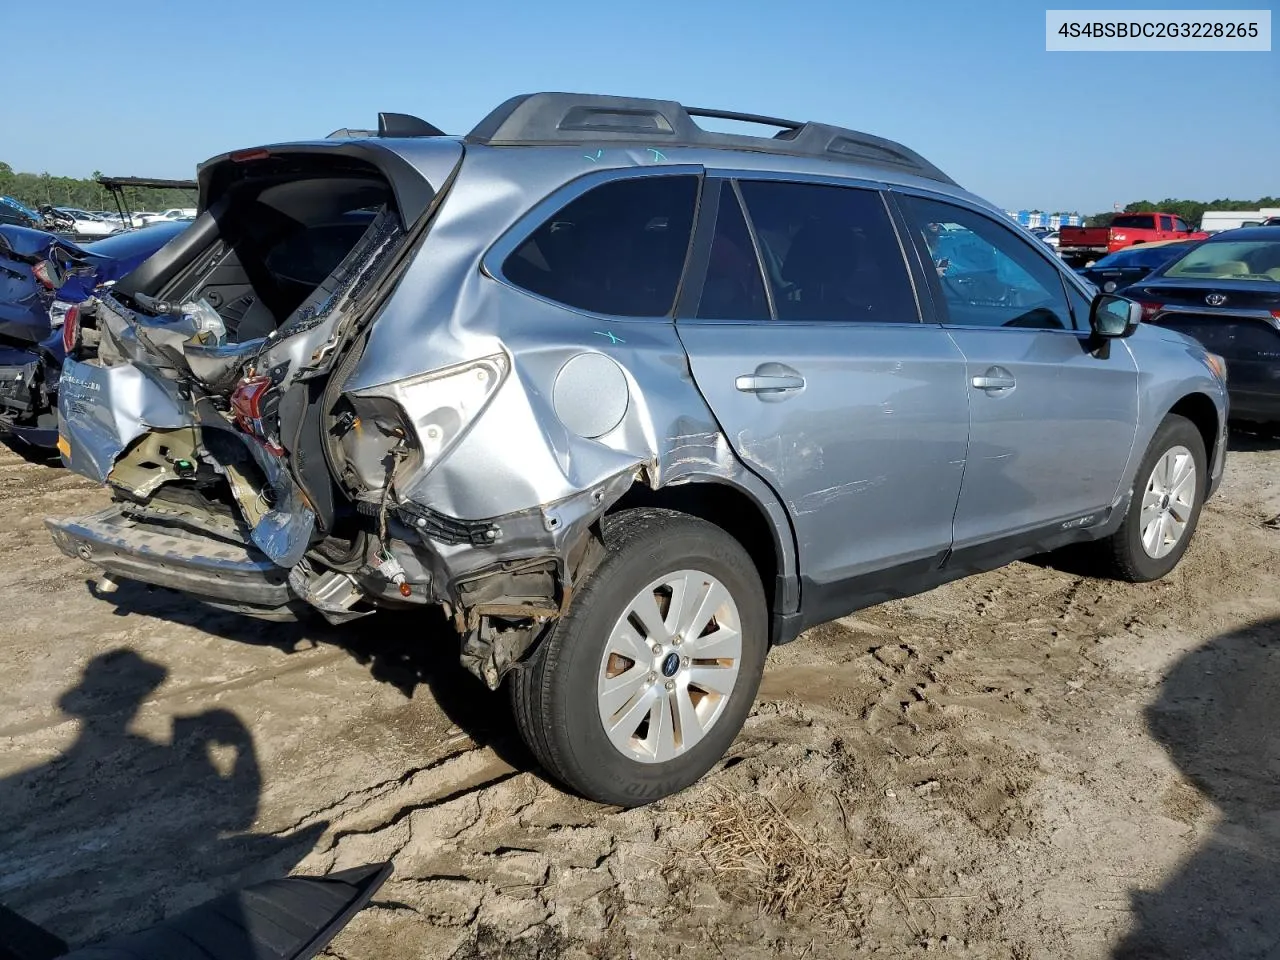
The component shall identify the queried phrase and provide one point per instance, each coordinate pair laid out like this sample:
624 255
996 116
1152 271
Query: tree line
37 189
1189 210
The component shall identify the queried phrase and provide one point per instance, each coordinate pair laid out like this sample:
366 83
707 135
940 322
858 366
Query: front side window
989 276
1180 225
830 252
618 249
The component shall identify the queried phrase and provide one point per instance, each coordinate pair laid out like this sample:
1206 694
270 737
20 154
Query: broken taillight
71 329
253 404
49 274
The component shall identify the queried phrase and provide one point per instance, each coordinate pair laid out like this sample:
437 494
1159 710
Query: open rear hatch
222 344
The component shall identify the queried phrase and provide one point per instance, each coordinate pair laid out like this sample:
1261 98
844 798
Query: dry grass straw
766 857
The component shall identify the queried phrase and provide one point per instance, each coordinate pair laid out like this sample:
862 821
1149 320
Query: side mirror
1113 316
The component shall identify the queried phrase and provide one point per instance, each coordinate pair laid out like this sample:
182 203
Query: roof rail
573 118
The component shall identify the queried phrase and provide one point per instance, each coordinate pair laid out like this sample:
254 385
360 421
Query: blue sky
969 86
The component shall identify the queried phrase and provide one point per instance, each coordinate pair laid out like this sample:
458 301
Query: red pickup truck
1079 245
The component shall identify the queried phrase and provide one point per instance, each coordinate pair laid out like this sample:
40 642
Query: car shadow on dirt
36 455
121 828
1218 716
1248 439
408 650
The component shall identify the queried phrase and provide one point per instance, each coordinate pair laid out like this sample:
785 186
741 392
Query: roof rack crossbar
545 119
744 117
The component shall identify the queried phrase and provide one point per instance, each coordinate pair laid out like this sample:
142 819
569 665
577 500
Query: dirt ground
1025 764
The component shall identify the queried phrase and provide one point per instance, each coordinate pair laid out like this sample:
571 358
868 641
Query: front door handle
994 383
755 383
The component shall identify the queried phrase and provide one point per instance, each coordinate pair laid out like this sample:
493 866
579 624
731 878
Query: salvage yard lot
1027 763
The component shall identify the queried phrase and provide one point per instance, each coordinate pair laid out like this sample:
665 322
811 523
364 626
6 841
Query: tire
1124 555
559 694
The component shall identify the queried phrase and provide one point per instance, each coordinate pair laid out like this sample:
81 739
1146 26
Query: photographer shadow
1218 716
120 830
409 650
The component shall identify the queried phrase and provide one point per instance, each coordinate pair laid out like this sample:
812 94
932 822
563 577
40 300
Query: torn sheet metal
104 409
280 519
157 341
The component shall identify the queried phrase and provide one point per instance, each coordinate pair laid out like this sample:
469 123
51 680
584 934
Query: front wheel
1164 507
641 687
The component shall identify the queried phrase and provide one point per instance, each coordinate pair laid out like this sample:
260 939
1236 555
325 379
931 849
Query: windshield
1230 259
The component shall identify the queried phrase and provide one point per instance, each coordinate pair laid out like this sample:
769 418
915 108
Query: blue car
42 278
16 213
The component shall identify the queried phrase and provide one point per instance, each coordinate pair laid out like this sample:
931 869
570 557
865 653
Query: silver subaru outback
629 399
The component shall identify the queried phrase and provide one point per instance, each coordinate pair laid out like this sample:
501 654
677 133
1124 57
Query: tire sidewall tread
554 693
1128 560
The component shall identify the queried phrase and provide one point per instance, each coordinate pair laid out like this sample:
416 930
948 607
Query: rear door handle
756 383
994 383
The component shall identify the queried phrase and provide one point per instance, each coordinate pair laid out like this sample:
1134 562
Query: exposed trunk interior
268 243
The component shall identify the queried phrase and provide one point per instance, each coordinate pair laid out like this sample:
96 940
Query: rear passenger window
1166 223
617 249
831 253
734 288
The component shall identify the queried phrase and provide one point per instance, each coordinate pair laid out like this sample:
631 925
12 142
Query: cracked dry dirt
1024 764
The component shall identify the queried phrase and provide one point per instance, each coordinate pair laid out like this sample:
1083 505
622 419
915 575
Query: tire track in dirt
968 770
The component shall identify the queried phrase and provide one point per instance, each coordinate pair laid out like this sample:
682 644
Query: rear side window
618 249
831 253
1135 222
1166 223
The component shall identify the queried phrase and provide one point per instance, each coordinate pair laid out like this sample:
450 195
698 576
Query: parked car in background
174 213
1271 222
1052 239
1118 270
630 399
1081 245
17 214
86 225
44 280
1225 293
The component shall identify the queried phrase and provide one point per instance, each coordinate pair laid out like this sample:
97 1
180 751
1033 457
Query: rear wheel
641 687
1164 507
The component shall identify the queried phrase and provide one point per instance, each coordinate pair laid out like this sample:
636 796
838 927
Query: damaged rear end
202 408
254 461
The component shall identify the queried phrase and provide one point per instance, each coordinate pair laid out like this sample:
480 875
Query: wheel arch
1200 409
740 513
